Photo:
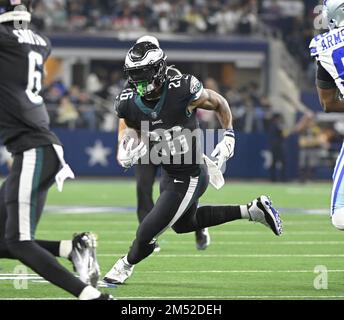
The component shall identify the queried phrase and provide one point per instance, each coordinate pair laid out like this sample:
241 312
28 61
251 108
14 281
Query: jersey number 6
34 85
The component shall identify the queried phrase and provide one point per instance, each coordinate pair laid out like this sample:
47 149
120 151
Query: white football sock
66 247
125 259
89 293
244 212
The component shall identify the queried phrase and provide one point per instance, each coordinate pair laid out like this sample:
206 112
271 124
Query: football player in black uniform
37 159
163 109
145 173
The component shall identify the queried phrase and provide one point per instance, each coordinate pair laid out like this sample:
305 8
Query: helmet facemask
145 80
145 68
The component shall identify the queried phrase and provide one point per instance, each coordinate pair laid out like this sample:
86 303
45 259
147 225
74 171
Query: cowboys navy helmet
15 10
145 67
334 13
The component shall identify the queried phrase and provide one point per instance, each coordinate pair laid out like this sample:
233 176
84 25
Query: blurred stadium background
255 52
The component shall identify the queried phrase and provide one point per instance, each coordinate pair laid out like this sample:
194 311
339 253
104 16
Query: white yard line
241 243
229 297
213 232
235 255
13 276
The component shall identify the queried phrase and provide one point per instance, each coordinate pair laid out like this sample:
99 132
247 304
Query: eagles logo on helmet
145 67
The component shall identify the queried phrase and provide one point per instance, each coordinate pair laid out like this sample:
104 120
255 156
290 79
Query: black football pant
177 207
22 199
145 177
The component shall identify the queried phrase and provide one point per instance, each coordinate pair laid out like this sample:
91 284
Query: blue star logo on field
5 156
98 154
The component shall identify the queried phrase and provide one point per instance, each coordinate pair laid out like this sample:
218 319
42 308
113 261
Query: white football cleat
84 259
119 273
202 239
262 211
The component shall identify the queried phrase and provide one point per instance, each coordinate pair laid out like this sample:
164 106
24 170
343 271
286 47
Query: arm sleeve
120 108
324 79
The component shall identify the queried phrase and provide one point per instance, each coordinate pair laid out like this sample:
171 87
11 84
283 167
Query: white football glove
128 157
225 149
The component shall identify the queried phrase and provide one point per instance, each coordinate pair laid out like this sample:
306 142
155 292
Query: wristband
229 133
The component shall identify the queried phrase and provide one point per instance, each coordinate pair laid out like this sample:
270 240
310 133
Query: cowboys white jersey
328 49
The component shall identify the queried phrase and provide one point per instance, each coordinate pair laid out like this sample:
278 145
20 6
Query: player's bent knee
338 219
179 229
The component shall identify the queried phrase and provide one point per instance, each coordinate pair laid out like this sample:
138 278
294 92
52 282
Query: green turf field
244 261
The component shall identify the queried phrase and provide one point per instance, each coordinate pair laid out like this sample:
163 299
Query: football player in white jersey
328 50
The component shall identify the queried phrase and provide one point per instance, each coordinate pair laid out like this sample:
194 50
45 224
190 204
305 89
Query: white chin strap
15 16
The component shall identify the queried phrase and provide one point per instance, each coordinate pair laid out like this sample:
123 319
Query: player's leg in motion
337 198
145 177
22 199
177 208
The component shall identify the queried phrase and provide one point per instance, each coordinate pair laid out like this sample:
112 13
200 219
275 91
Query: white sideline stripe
19 278
214 232
113 210
18 274
235 255
10 276
236 271
24 195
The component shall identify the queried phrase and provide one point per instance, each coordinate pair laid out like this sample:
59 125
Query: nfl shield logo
15 2
154 115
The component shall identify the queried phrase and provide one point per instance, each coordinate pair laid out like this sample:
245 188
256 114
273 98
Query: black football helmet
145 67
15 10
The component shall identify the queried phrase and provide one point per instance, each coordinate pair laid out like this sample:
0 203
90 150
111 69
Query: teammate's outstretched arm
211 100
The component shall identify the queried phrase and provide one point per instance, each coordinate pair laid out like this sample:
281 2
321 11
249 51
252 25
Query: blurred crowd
91 107
290 19
167 16
171 16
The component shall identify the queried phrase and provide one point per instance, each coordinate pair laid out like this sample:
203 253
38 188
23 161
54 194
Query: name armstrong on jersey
328 40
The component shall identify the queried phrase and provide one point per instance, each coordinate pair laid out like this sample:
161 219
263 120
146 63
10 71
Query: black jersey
173 131
24 120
